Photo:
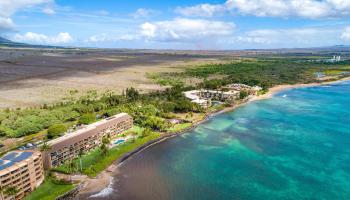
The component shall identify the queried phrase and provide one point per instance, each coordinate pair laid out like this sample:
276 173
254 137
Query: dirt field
32 77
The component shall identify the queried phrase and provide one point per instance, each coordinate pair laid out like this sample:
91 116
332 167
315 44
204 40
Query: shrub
56 130
87 118
4 131
243 94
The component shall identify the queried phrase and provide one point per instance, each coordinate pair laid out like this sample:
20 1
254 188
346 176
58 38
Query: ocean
295 145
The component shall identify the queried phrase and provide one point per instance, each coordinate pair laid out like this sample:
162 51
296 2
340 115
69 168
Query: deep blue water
295 145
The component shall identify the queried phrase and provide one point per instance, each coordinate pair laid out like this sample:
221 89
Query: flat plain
32 77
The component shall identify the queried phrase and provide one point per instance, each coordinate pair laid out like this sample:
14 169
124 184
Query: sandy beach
102 181
272 91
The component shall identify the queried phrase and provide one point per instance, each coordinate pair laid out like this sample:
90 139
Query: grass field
49 190
179 127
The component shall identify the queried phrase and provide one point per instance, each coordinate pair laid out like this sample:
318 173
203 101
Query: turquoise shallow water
293 146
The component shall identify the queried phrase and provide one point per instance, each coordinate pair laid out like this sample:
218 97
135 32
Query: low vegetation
50 190
264 72
146 109
56 130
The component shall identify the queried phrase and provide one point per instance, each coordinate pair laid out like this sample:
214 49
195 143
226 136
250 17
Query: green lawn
49 190
178 127
93 163
134 129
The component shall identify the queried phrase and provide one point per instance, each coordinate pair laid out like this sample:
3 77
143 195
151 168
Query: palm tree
104 146
1 192
81 153
45 147
106 139
104 149
71 165
11 191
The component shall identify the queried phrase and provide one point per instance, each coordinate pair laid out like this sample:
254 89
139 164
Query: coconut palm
45 147
11 191
104 149
1 192
81 153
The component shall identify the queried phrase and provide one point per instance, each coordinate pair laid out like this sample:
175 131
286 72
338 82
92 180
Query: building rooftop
192 94
200 101
14 157
86 128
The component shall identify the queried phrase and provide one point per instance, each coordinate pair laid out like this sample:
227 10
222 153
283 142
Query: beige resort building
22 170
232 91
70 145
204 97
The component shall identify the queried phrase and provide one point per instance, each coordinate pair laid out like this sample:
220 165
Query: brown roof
86 132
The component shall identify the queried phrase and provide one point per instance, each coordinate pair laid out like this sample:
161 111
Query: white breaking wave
106 191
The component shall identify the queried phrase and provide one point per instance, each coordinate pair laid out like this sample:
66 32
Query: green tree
183 105
87 118
168 106
1 192
243 94
11 191
132 94
105 145
145 132
56 130
45 147
4 131
81 153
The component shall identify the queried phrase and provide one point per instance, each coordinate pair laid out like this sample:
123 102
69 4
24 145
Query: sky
177 24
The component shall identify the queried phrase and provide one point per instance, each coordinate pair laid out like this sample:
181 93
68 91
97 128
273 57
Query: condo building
204 97
85 139
22 171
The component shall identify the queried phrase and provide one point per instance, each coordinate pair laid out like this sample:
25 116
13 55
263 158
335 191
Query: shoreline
103 180
279 88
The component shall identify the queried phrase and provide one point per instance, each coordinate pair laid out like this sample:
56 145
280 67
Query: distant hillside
4 40
8 43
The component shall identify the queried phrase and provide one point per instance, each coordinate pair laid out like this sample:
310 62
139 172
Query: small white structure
194 96
334 59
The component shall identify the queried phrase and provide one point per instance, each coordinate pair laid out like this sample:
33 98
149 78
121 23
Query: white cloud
144 13
201 10
186 30
49 11
102 12
100 38
273 8
10 7
346 34
61 38
289 37
6 24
